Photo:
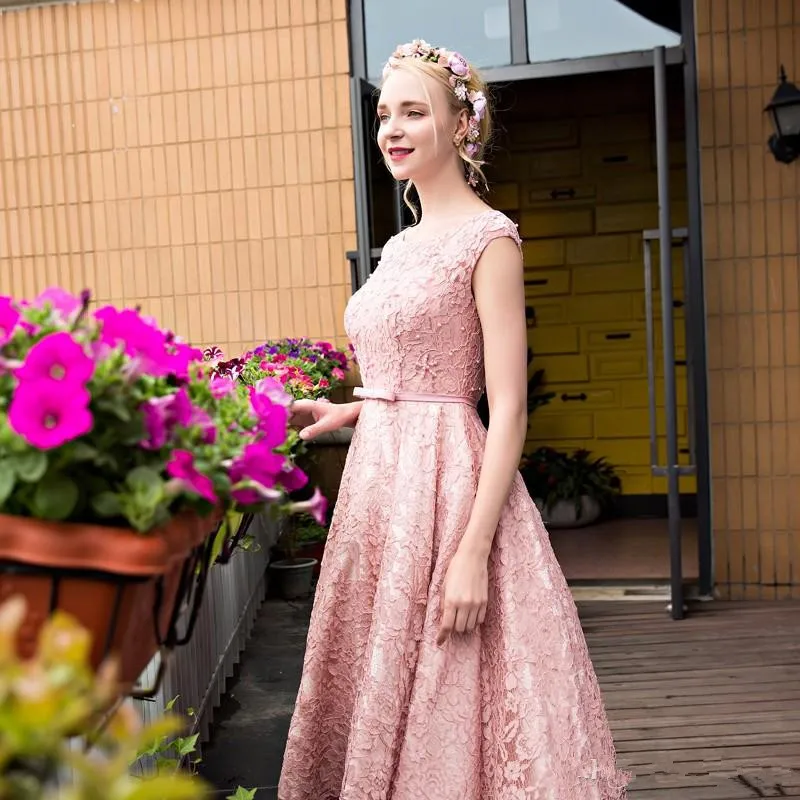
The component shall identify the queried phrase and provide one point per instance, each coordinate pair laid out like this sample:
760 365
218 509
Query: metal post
670 399
650 339
399 221
697 371
360 179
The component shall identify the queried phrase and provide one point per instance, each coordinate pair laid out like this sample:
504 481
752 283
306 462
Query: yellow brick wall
750 207
576 167
191 156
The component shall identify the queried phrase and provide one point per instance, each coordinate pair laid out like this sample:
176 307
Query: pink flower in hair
458 65
478 104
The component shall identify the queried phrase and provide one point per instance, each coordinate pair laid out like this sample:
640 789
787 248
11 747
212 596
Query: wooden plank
706 708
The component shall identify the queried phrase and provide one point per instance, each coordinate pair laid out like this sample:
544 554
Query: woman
445 657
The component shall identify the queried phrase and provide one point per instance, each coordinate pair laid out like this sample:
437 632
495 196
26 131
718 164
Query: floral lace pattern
510 712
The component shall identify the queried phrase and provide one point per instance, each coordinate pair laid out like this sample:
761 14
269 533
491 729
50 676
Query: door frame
520 69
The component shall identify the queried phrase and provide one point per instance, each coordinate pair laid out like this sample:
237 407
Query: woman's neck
446 198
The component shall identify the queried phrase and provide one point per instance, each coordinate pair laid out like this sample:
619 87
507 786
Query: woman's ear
462 125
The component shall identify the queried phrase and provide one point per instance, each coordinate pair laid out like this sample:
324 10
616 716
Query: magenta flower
273 390
120 328
57 358
46 418
202 420
178 358
272 418
220 387
155 424
64 303
293 479
181 467
317 506
259 464
162 414
9 317
156 352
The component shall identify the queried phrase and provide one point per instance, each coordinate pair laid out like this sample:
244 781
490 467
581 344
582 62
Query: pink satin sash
412 397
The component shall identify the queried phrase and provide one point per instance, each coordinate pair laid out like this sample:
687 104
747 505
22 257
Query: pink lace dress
510 712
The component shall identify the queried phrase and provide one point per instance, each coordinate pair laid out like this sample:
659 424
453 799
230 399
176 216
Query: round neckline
447 231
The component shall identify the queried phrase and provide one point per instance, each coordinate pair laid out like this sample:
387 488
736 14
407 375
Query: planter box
126 588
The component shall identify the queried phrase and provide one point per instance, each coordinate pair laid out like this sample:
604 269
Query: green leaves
8 478
31 466
55 497
242 794
106 504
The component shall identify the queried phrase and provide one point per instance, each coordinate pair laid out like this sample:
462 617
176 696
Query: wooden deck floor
706 708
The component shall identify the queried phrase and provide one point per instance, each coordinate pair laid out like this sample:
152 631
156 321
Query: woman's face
416 125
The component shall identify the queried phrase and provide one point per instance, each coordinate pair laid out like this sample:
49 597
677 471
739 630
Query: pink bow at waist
413 397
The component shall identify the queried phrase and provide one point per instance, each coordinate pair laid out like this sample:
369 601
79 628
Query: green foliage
151 405
170 754
299 530
552 476
47 700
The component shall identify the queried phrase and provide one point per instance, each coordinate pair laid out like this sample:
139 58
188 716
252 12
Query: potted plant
308 539
306 369
298 549
570 490
119 456
55 695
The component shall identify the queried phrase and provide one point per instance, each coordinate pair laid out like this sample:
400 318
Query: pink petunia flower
220 386
293 479
181 467
272 417
273 391
162 414
9 317
155 425
317 506
260 465
47 418
63 303
57 358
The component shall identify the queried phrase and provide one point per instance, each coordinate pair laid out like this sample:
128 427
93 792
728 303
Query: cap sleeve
494 226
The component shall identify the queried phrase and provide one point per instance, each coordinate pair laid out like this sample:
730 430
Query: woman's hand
466 594
315 417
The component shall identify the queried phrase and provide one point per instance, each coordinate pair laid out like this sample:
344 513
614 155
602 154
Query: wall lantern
784 111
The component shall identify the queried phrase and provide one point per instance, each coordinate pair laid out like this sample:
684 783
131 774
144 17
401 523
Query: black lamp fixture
784 111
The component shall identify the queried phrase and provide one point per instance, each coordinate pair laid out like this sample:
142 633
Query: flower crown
459 78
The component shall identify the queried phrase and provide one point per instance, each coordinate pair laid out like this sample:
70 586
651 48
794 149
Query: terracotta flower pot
126 588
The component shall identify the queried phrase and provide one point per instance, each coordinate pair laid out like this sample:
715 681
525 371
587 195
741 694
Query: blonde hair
472 164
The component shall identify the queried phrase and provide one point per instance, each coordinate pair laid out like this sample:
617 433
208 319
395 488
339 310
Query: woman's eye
414 113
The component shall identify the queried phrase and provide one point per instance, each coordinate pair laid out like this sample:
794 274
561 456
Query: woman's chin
400 172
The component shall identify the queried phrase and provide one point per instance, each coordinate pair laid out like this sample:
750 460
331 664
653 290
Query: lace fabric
510 712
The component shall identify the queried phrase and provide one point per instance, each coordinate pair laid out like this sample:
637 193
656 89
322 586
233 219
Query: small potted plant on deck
570 490
299 550
119 455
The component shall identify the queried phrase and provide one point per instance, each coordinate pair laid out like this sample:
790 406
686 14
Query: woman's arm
499 289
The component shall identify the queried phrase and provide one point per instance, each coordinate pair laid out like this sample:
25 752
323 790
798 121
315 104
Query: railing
198 672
